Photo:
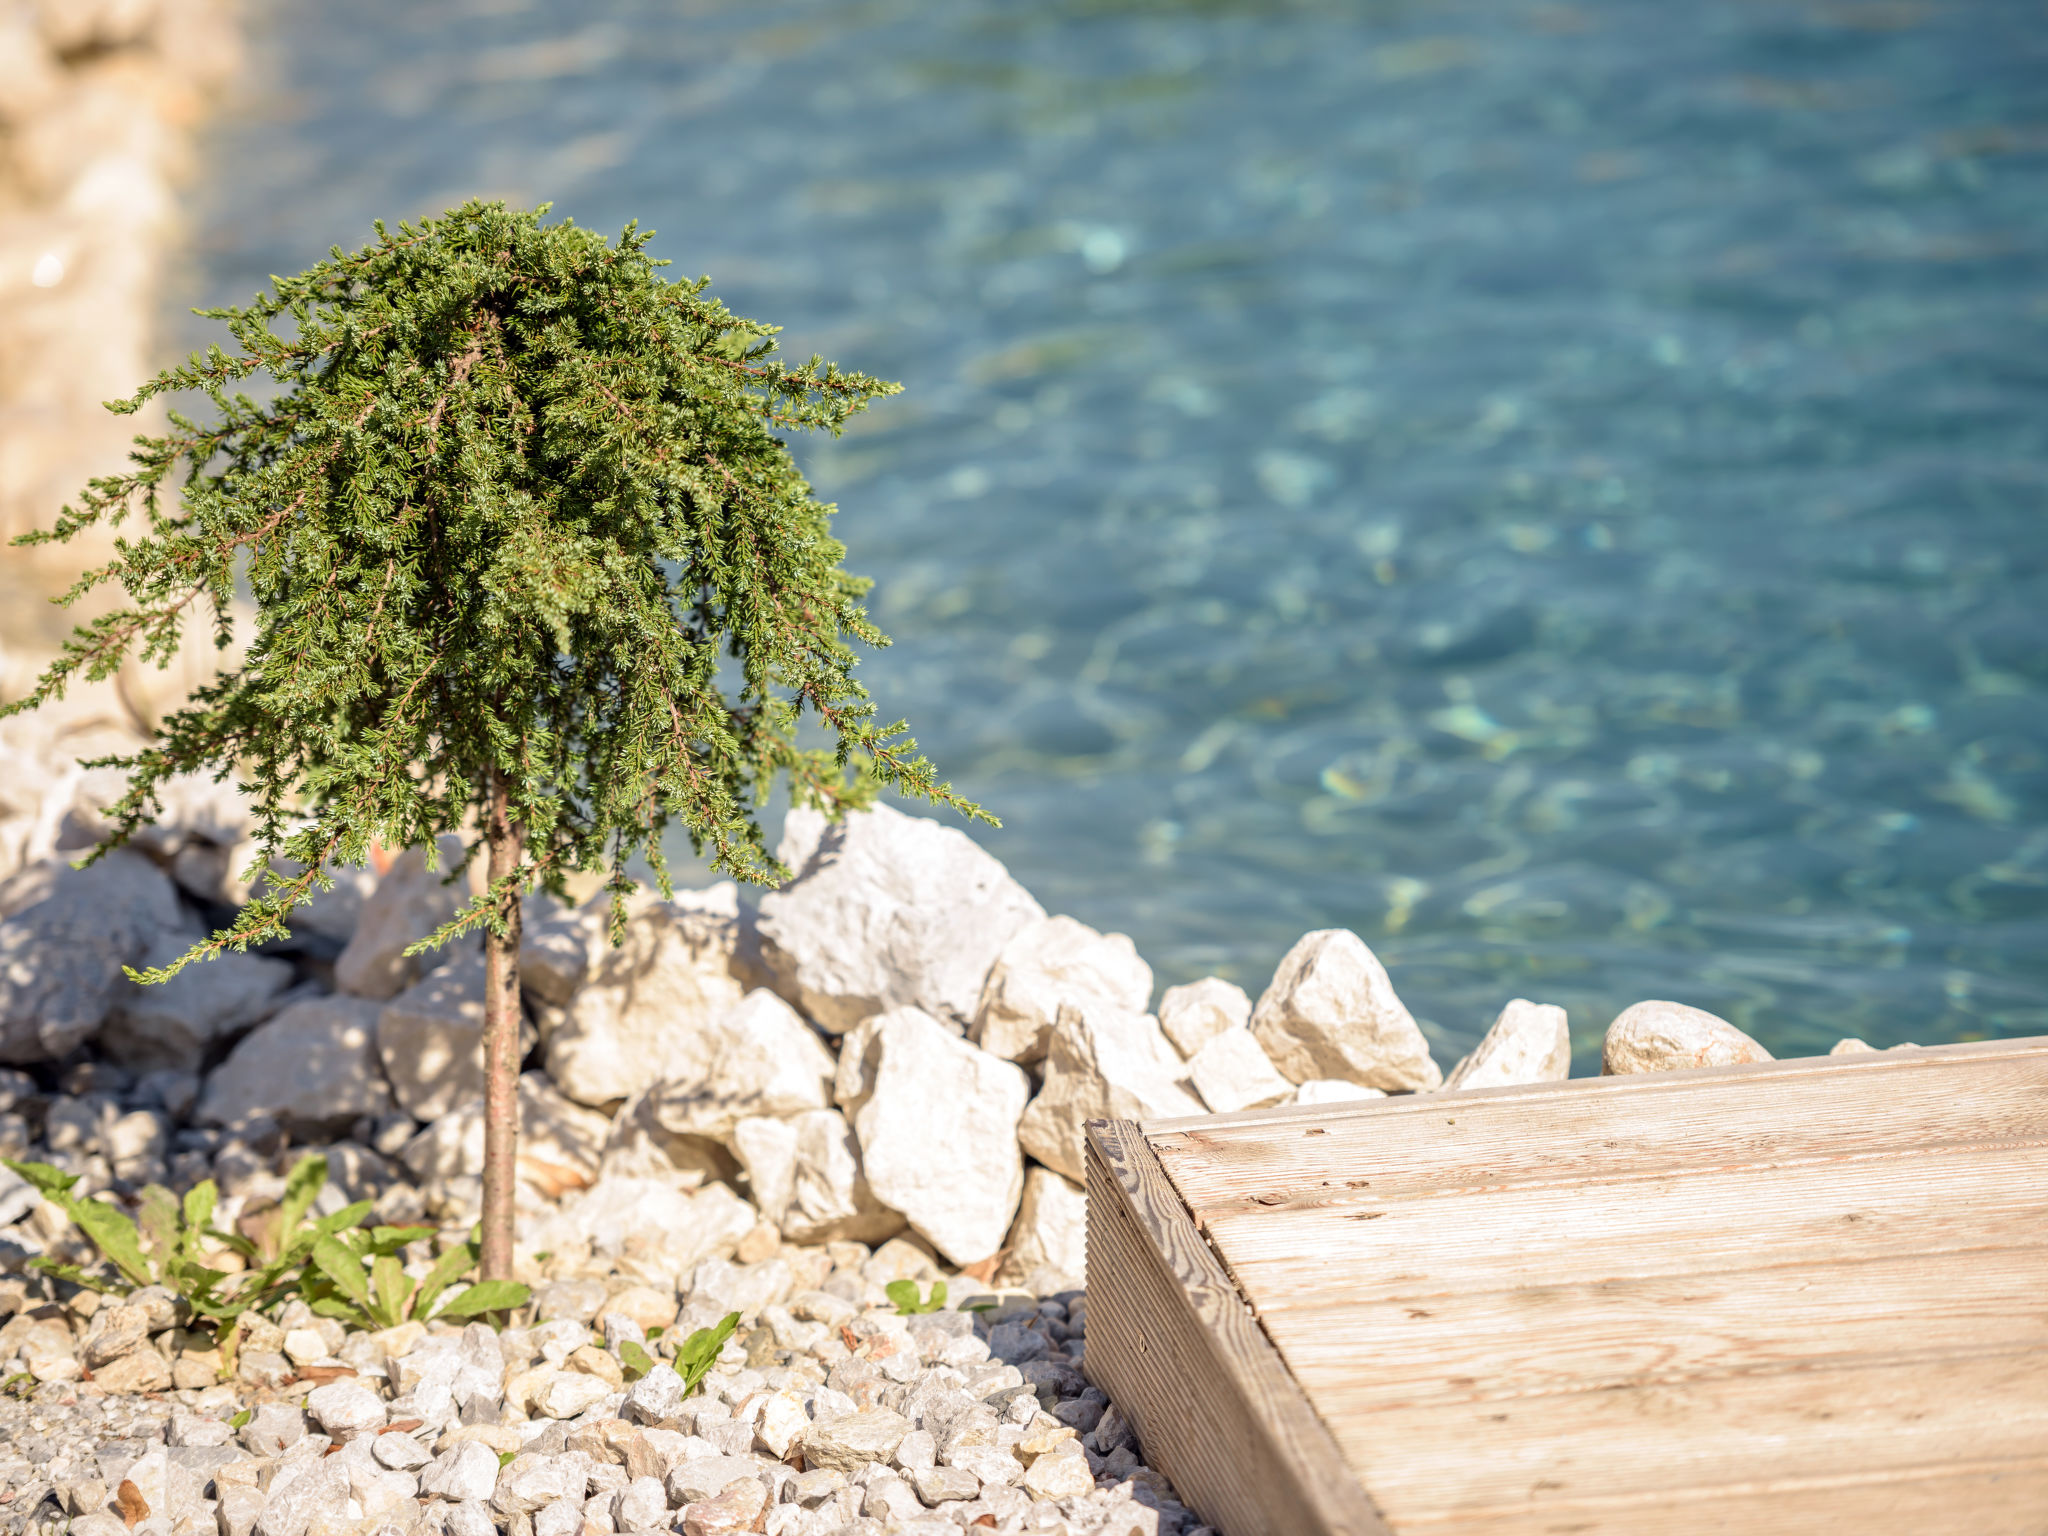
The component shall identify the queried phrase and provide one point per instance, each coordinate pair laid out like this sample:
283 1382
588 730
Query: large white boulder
559 1142
205 832
1331 1012
643 1014
1529 1043
314 1068
1194 1014
1231 1072
1670 1037
938 1134
886 911
1104 1061
430 1038
805 1174
1053 961
410 902
558 947
173 1025
64 935
757 1058
1051 1230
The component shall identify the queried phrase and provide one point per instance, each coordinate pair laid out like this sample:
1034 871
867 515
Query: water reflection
1557 489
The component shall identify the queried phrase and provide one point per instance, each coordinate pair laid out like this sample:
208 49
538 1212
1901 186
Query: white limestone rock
558 947
938 1134
1051 1230
314 1068
410 902
173 1025
805 1175
66 934
653 1230
1670 1037
1334 1090
641 1147
1231 1072
1053 961
1529 1043
205 832
887 911
1332 1012
1104 1061
642 1015
1194 1014
560 1142
757 1058
430 1037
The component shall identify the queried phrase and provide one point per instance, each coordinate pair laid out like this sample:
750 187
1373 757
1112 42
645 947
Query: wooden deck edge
1179 1352
1879 1063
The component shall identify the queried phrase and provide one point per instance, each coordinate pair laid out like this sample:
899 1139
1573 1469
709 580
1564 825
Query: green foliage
634 1361
699 1352
515 518
356 1276
904 1294
160 1246
241 1418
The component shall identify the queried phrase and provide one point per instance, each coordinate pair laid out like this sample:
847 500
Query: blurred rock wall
98 103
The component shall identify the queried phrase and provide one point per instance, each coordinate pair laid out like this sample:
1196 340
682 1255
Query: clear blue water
1559 489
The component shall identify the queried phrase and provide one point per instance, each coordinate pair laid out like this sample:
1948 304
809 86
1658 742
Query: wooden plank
1604 1335
1174 1345
1941 1201
1780 1426
1592 1127
1984 1498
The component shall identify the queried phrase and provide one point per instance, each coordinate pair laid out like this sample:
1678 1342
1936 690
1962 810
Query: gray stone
560 1143
410 902
400 1452
656 1396
466 1471
313 1068
471 1517
704 1477
320 1492
848 1442
237 1510
528 1482
1045 964
759 1058
805 1174
1670 1037
887 911
557 948
273 1428
938 1134
1104 1061
1196 1013
577 1300
66 934
642 1505
345 1408
430 1038
1232 1073
1051 1230
1331 1011
644 1014
1528 1043
174 1024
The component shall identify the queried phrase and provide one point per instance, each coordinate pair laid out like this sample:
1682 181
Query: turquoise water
1557 489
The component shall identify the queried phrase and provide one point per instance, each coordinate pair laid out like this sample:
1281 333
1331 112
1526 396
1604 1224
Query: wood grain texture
1562 1133
1707 1432
1601 1335
1799 1297
1175 1347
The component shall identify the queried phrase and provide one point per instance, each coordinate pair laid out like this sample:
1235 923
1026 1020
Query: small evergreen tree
516 504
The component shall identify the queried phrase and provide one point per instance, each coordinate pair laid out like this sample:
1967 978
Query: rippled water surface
1558 489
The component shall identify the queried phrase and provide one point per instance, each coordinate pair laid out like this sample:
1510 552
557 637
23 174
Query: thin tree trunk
501 1043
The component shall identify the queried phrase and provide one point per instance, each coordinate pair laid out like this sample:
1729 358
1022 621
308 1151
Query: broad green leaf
635 1359
114 1235
391 1239
80 1277
450 1267
699 1352
485 1296
345 1269
200 1201
53 1184
241 1419
392 1287
903 1294
301 1188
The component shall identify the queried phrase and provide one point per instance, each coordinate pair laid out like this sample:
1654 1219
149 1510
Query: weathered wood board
1799 1297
